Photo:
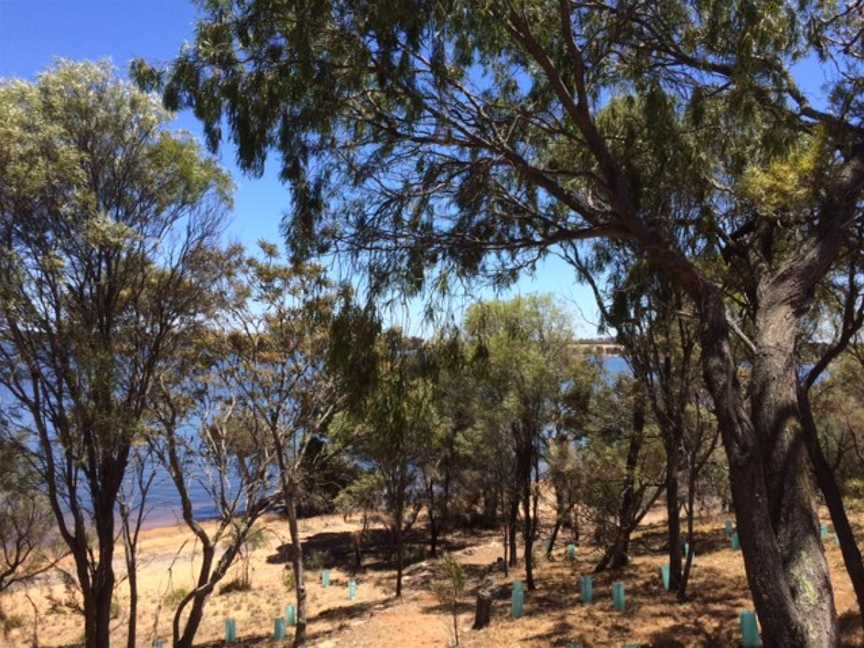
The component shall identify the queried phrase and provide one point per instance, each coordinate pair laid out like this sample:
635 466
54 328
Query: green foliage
27 538
248 542
288 581
433 120
449 587
363 495
173 598
317 559
108 260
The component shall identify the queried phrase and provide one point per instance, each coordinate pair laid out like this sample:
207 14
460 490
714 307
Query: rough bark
786 569
833 499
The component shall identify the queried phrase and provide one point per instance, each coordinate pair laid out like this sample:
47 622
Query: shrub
236 585
449 588
316 560
173 598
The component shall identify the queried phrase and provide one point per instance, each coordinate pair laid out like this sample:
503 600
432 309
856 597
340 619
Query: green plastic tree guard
279 629
352 590
736 541
664 576
586 589
618 597
749 630
729 528
325 578
230 631
824 532
517 603
571 552
290 615
158 644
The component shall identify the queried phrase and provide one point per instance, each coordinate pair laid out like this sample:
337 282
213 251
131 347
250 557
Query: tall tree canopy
474 137
106 227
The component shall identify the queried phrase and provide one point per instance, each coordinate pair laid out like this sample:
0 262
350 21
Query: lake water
163 505
163 502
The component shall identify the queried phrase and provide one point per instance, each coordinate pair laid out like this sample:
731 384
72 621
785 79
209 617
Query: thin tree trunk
511 530
399 559
691 502
617 555
554 535
433 526
673 511
197 598
132 631
833 499
299 572
528 538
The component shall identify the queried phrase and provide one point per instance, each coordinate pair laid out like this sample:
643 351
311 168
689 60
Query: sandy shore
554 615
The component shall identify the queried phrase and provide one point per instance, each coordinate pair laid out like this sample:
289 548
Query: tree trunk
528 539
511 530
299 572
617 555
132 631
691 503
833 499
786 569
490 507
97 619
433 539
97 605
483 610
399 559
505 561
197 599
524 460
551 544
673 511
358 556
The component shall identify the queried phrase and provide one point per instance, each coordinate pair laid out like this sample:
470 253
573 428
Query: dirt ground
554 615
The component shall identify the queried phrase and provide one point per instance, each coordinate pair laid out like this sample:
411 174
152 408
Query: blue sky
35 32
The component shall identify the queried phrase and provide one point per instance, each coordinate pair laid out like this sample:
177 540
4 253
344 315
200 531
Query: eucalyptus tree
524 363
26 538
105 220
653 321
214 449
447 455
466 137
389 428
618 449
835 327
280 325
